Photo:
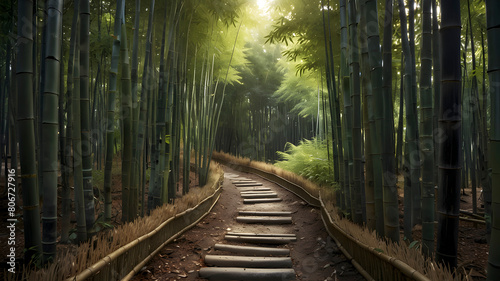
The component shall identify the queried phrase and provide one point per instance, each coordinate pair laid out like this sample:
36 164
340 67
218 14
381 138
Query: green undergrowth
310 160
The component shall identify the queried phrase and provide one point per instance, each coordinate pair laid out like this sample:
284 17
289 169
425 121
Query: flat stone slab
262 200
248 184
241 261
260 239
264 220
255 189
252 250
236 273
238 178
256 192
243 181
292 235
264 213
259 195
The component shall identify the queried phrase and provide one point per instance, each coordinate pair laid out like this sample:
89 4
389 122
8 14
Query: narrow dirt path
314 254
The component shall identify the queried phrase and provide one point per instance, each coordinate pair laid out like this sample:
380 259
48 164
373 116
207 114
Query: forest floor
182 258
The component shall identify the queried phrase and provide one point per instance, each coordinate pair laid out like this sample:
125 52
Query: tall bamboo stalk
436 74
493 28
135 174
50 127
346 120
88 191
81 229
449 148
126 118
356 196
159 136
147 82
66 192
426 141
371 218
26 125
411 139
110 129
385 222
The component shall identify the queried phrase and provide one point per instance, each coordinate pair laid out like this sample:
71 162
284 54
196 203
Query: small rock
191 271
326 266
183 275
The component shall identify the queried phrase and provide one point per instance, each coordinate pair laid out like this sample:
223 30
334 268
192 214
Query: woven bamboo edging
290 186
125 262
372 264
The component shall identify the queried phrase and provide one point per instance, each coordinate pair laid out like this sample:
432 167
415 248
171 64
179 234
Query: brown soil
315 256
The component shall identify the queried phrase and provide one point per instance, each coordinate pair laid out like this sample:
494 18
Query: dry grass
69 264
410 256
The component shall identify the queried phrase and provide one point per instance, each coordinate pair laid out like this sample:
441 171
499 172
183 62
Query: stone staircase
254 254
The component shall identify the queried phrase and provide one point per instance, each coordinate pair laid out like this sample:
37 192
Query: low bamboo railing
125 262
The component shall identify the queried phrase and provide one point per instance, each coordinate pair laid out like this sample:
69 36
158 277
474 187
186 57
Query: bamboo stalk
50 127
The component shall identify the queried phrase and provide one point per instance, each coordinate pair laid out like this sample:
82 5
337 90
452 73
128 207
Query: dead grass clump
309 186
103 244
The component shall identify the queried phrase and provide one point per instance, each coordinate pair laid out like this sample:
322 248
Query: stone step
264 220
256 189
261 200
237 273
248 184
243 181
240 261
252 250
264 213
256 192
259 195
292 235
260 240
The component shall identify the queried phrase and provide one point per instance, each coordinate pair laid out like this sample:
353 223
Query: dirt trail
315 256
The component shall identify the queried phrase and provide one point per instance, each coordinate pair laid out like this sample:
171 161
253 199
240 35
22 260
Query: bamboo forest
250 140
